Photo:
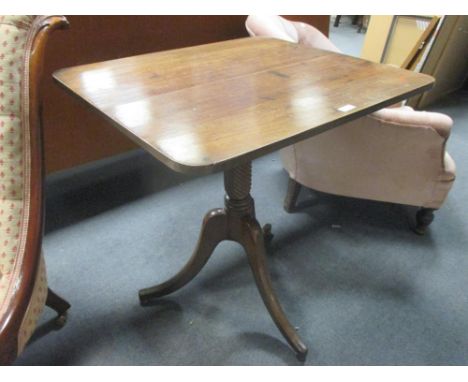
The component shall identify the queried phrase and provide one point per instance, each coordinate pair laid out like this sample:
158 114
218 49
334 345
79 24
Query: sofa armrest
271 26
406 116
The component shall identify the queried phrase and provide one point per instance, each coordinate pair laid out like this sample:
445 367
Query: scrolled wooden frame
33 214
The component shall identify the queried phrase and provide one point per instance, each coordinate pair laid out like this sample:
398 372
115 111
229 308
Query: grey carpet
346 37
361 288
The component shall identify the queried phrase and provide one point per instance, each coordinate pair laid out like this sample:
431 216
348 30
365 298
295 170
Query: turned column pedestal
236 222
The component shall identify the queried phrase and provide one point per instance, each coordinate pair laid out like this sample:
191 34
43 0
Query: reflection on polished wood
198 108
71 141
218 106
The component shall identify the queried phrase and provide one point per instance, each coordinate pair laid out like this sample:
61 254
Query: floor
361 288
346 37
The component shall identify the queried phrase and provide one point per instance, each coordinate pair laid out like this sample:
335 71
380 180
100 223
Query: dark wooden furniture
219 106
70 141
29 249
360 20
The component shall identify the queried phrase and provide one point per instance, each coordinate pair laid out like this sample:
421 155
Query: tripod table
216 107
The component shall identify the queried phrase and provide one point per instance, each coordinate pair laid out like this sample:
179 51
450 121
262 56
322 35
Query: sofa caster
424 217
61 320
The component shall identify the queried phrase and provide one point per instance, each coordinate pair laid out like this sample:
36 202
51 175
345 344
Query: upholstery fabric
395 155
404 164
298 32
14 154
276 27
35 307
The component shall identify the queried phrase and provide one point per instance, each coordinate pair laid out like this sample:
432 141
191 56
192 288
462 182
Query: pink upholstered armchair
394 155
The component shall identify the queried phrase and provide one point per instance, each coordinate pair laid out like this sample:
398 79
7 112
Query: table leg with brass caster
236 222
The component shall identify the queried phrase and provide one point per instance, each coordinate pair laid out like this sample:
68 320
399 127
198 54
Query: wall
447 61
376 36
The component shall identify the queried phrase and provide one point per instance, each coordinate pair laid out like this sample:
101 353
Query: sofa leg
290 200
424 218
337 21
58 304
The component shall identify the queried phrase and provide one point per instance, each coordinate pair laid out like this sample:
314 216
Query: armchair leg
290 200
58 304
337 21
424 218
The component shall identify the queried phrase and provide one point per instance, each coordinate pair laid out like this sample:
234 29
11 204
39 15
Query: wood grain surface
74 134
210 107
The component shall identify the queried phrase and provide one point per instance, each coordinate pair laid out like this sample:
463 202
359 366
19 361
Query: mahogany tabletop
210 107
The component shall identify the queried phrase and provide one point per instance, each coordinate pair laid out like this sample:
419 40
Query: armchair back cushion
293 31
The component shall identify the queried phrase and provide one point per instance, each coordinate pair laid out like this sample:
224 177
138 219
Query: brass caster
61 320
267 235
144 300
424 218
301 356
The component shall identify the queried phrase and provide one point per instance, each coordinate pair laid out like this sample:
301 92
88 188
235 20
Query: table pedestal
235 222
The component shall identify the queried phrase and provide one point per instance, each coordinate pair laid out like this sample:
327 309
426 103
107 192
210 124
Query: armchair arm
406 116
394 155
28 252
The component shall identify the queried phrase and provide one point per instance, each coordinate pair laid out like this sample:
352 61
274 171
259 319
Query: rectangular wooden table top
210 107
